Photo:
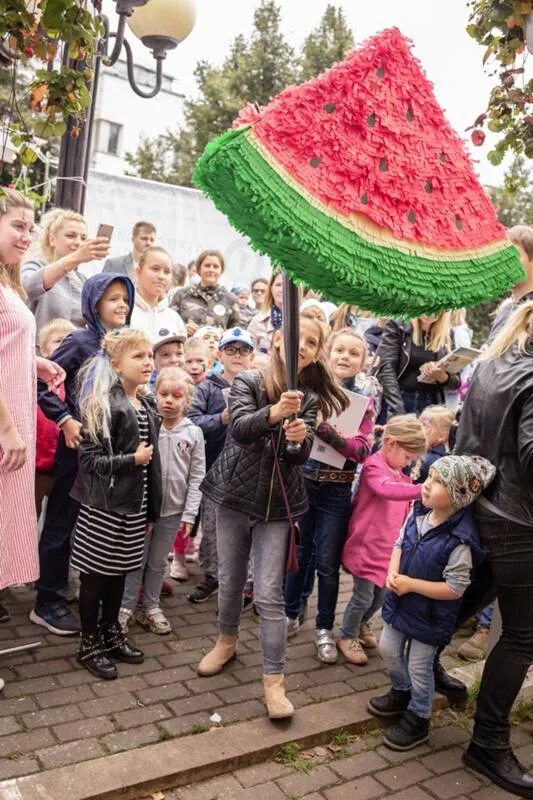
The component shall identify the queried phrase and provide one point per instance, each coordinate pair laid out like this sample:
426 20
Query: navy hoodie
78 346
205 410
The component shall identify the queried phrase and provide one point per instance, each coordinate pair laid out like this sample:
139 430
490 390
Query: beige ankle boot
278 707
217 658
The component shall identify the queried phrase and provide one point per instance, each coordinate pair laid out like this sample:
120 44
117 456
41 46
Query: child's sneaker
191 550
389 705
124 619
203 591
367 636
326 647
475 648
352 650
178 570
410 731
293 626
154 620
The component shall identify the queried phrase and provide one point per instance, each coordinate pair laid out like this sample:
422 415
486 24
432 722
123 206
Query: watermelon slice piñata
356 184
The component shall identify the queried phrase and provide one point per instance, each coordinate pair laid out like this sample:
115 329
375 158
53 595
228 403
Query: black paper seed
411 217
380 72
383 165
443 157
314 162
364 199
409 115
458 224
330 108
371 120
429 186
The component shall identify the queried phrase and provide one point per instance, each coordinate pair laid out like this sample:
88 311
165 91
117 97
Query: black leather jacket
497 423
243 477
394 352
108 477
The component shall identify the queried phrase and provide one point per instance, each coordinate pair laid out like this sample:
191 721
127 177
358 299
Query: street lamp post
160 25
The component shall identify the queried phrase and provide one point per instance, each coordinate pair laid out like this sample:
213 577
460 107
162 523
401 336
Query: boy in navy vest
428 573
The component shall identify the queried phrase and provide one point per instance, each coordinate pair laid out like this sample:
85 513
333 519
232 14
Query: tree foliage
38 33
254 71
500 27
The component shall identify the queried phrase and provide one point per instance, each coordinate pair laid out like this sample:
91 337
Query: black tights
99 591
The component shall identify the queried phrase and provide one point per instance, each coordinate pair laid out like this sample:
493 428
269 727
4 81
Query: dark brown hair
204 254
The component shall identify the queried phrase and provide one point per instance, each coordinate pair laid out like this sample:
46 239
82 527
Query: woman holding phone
51 278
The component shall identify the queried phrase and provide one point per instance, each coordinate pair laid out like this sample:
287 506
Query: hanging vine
502 28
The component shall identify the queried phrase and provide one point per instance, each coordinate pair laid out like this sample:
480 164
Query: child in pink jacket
380 508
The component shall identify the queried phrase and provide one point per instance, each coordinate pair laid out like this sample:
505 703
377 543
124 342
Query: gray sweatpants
156 549
208 545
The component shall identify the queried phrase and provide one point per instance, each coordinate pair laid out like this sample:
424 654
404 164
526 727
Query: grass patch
340 737
290 755
522 710
198 728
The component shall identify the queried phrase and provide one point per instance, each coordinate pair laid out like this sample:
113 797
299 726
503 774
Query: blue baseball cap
234 336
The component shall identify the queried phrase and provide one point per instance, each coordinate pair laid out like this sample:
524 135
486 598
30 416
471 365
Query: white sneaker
293 626
326 647
191 553
155 621
124 619
178 571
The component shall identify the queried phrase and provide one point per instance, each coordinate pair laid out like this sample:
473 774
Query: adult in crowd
142 236
258 290
50 278
409 351
522 238
18 370
497 423
267 321
207 302
153 279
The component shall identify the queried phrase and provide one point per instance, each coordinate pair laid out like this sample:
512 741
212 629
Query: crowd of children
157 440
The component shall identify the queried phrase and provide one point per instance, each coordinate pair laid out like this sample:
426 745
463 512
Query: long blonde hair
97 377
408 432
439 333
51 222
518 330
10 273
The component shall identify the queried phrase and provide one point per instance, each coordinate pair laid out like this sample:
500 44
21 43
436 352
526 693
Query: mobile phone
105 230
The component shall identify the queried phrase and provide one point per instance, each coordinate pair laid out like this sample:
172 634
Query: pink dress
380 507
19 561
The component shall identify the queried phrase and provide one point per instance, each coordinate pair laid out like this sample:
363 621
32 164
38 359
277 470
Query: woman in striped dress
18 370
120 485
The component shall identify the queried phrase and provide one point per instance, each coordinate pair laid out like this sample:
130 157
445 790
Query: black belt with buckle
331 476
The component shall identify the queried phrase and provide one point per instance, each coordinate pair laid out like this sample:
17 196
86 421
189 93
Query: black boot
91 655
118 647
411 731
452 688
389 705
501 767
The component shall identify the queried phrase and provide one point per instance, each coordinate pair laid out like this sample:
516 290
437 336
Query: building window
110 134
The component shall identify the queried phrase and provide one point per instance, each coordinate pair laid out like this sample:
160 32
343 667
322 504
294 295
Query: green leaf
53 12
28 156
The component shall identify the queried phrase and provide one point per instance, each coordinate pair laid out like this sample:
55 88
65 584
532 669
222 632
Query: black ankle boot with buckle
501 767
117 646
92 656
452 688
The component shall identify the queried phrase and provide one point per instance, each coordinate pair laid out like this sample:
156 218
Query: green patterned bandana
464 477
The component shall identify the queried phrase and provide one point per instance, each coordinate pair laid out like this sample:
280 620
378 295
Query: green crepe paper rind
317 250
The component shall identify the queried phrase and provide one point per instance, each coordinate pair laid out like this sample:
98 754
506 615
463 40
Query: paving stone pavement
54 713
361 768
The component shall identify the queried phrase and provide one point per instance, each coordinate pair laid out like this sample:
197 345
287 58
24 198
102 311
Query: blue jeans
416 402
322 529
366 599
238 537
484 618
410 667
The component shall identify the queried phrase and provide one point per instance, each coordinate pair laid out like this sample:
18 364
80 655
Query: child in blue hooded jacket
107 301
428 573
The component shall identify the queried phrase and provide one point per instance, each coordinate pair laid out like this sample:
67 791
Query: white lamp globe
164 18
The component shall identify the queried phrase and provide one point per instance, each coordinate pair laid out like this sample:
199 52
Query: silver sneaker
326 646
